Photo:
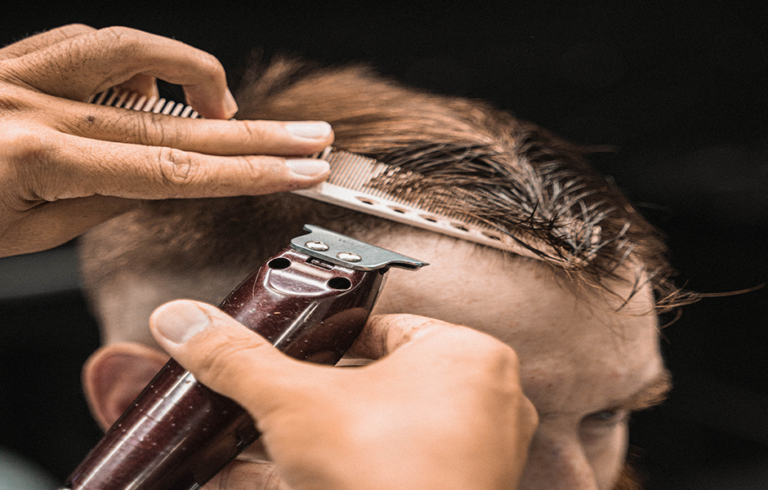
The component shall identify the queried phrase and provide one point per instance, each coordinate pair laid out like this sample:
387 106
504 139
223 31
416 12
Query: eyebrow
651 394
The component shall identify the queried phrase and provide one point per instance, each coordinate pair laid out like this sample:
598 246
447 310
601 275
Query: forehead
570 334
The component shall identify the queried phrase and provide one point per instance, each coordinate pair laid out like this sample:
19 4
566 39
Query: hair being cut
475 160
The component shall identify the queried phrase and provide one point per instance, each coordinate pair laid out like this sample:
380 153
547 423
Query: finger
199 135
74 167
227 357
54 223
79 67
384 334
43 40
260 476
140 84
426 340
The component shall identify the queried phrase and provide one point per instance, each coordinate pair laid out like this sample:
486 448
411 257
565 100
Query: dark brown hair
474 159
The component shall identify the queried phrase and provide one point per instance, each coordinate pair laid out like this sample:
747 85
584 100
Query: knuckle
253 167
176 168
531 415
144 130
508 365
14 99
416 323
27 158
500 357
261 476
122 39
149 130
161 132
254 130
71 30
484 351
410 327
210 66
505 354
27 148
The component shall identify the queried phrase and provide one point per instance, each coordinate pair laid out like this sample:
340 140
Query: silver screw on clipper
349 256
347 252
315 245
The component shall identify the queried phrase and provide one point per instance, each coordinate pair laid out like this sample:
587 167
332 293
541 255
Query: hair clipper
310 301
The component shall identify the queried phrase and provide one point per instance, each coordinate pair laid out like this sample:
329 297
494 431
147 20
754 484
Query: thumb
226 356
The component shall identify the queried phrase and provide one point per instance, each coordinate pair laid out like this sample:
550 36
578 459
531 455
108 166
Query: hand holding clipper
310 301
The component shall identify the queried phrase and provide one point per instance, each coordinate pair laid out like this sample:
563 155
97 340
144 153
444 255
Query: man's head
581 316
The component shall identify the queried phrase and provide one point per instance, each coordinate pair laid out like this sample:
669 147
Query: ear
115 374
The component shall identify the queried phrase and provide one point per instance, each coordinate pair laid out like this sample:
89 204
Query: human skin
583 364
66 166
586 361
442 410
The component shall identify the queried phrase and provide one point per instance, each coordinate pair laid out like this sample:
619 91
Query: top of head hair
483 162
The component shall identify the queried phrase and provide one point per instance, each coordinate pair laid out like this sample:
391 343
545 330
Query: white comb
351 184
131 100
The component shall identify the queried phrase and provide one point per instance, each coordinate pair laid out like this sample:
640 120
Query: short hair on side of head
474 159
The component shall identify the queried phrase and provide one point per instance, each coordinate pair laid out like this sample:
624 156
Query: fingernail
229 101
180 321
309 130
307 166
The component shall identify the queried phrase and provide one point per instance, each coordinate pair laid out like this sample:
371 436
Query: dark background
680 90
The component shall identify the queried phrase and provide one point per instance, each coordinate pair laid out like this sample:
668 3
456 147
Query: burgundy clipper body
310 301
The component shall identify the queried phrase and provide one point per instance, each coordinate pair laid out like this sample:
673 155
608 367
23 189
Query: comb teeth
131 100
350 184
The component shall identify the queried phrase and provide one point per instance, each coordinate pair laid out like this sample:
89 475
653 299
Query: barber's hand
443 410
66 166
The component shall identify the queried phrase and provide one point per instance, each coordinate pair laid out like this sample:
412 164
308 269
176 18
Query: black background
679 89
